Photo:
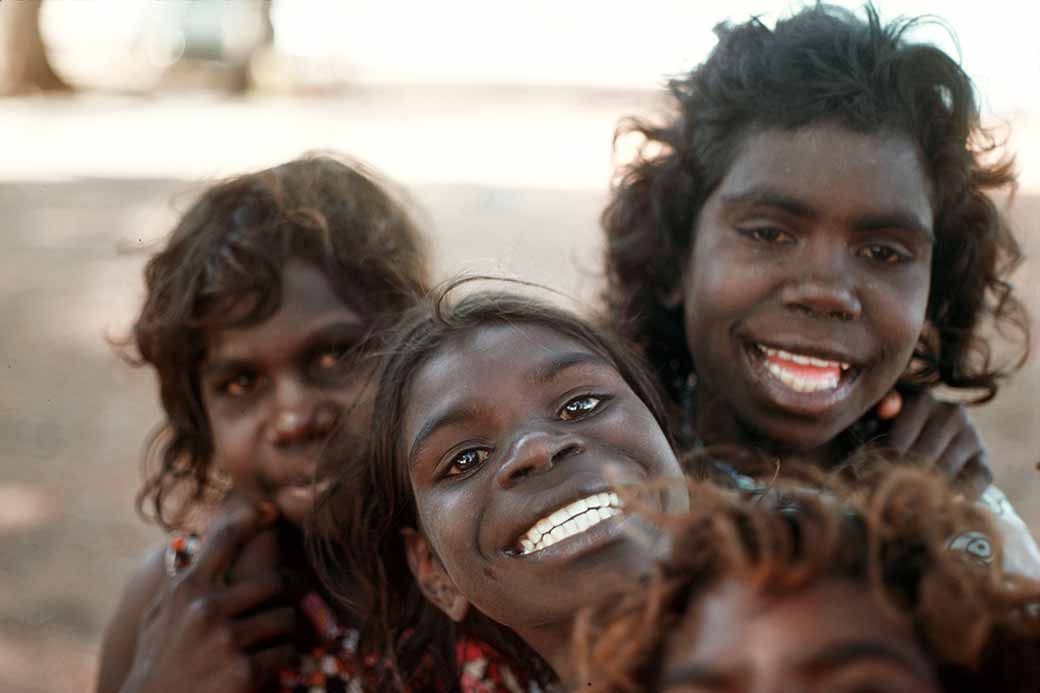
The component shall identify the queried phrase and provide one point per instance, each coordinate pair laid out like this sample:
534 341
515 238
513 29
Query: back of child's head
222 267
898 539
822 66
355 536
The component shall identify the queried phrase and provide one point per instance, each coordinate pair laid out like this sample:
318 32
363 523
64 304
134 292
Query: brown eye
883 254
580 407
332 359
769 234
467 460
238 386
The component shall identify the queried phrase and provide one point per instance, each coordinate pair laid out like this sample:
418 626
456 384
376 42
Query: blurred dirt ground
73 417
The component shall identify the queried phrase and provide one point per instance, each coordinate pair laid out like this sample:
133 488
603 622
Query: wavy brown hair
354 536
823 65
229 250
978 626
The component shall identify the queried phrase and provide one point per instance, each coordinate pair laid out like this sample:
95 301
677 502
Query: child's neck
553 643
714 423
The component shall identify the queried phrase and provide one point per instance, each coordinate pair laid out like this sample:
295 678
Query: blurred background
497 117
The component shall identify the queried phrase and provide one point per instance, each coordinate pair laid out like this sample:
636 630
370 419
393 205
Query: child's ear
673 297
434 582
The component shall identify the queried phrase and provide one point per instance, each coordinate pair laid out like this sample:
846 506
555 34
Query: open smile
573 521
803 380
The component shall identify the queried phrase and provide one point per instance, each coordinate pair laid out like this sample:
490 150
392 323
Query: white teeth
802 359
569 520
560 516
798 383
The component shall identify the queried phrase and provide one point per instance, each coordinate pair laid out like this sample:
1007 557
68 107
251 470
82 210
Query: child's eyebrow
846 652
345 330
453 415
700 675
219 366
895 220
765 196
552 368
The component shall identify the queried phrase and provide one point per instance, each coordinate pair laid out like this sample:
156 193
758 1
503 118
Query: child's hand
200 633
938 434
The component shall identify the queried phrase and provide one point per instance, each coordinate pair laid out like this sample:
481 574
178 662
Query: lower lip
591 539
800 403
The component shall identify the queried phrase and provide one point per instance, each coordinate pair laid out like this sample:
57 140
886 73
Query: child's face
807 284
828 638
507 426
274 391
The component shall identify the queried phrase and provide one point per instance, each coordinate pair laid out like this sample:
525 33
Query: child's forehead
814 162
499 352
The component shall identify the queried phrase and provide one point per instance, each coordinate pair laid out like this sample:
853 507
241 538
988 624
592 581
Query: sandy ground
73 417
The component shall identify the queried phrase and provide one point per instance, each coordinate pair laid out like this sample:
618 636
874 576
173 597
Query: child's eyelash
479 455
237 385
766 234
581 406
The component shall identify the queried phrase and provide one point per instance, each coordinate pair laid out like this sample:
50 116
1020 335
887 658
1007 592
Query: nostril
567 450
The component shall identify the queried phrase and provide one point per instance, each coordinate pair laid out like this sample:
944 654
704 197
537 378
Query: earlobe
434 582
672 298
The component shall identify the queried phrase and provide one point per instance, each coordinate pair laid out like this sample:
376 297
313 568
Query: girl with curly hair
484 511
812 228
844 590
258 316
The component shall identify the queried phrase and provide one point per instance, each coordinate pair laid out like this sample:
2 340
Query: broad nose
534 452
301 415
823 283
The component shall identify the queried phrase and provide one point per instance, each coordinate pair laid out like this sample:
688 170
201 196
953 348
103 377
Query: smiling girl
257 314
505 424
811 229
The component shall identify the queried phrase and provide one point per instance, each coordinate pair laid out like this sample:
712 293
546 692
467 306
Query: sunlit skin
830 637
505 425
817 242
274 391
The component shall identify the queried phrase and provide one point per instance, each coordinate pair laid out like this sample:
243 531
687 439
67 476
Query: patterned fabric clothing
336 666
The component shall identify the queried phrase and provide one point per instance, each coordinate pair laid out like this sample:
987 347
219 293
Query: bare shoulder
120 640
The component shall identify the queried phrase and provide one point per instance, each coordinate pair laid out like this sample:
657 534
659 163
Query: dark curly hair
978 626
822 65
354 537
232 245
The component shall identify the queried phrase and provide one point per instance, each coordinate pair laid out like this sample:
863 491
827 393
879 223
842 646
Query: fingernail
268 512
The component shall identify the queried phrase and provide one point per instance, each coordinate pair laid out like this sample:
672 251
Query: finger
975 476
264 626
267 663
890 405
249 594
963 446
936 439
226 534
907 426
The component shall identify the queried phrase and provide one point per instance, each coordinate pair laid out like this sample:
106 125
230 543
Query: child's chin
296 502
